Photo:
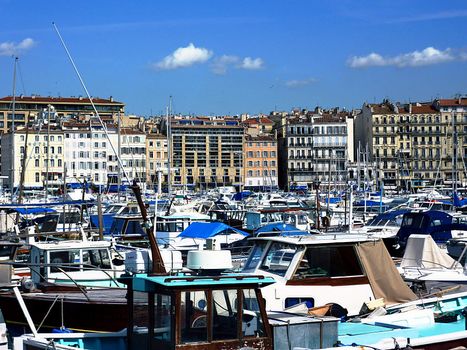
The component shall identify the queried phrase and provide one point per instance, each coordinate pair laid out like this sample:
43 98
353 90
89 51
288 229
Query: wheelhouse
198 312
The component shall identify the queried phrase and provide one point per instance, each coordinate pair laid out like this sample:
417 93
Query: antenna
104 127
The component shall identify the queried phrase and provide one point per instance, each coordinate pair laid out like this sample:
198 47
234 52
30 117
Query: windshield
278 258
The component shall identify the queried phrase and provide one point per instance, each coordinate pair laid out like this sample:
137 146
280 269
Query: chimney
111 98
410 108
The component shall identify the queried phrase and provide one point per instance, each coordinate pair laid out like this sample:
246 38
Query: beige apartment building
414 144
156 155
43 152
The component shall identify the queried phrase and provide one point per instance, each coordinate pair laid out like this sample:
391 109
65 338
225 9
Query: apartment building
315 147
157 159
413 144
40 152
260 165
206 152
27 108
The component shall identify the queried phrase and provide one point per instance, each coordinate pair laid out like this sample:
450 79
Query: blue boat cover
208 230
389 215
282 228
26 211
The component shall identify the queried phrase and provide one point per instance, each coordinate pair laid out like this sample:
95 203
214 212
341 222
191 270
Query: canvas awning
385 280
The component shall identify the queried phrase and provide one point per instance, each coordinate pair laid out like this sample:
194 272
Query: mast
169 147
119 149
23 166
157 267
454 156
12 180
48 158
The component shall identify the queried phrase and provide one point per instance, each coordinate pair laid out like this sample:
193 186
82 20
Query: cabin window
66 261
163 318
310 302
255 256
332 261
252 325
224 318
194 317
278 258
96 258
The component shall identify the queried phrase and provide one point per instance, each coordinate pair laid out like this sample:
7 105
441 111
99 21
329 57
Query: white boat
342 269
424 261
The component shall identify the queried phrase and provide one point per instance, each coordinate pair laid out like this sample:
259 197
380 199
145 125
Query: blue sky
230 57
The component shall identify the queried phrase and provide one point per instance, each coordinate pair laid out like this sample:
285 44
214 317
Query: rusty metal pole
158 267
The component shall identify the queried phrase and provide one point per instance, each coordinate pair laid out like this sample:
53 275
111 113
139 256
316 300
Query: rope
48 312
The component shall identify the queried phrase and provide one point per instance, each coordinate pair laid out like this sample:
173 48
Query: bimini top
145 283
208 229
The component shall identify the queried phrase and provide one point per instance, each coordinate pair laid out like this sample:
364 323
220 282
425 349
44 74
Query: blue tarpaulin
50 204
208 230
26 211
282 229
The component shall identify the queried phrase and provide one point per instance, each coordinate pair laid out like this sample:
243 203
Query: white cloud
11 48
222 63
427 56
184 57
299 83
250 63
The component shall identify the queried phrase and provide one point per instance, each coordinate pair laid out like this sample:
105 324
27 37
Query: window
64 260
195 313
333 261
96 258
59 162
37 177
278 258
59 149
36 163
224 314
255 257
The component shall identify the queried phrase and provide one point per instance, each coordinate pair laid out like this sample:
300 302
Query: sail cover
385 280
423 252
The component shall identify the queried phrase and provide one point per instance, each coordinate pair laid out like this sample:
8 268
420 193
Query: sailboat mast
13 110
169 147
119 148
454 155
48 158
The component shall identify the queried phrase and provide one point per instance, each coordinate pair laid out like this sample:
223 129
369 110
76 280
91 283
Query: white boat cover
385 280
423 252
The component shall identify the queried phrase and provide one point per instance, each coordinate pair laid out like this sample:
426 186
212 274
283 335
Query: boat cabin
320 269
86 263
198 312
441 226
168 227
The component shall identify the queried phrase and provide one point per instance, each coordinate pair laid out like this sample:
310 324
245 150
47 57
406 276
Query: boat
433 323
441 226
425 265
321 269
